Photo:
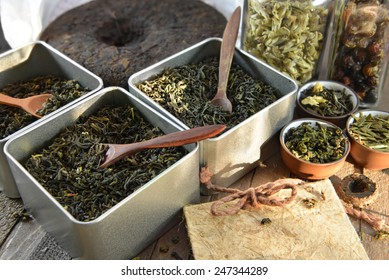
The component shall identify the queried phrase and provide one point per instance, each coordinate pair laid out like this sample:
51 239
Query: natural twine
375 222
252 197
378 224
261 195
354 203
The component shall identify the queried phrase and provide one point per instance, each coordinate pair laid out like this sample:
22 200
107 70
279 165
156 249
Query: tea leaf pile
68 167
316 143
371 131
64 91
326 102
186 91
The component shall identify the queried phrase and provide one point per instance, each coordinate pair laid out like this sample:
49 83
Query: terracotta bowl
305 169
364 156
304 112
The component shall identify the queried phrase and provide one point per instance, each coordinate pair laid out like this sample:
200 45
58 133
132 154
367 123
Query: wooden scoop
226 54
29 104
116 152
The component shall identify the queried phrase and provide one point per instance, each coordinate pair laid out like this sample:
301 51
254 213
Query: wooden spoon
29 104
116 152
226 54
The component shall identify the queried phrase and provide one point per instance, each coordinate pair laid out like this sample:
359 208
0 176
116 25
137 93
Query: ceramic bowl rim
349 91
311 120
350 120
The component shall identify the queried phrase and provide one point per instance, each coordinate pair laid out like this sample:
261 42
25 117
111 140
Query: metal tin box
29 61
238 150
128 227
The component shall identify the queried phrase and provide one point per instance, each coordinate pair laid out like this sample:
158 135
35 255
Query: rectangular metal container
128 227
237 151
27 62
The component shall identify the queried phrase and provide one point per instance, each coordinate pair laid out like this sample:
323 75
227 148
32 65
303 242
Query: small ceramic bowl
306 111
363 155
304 168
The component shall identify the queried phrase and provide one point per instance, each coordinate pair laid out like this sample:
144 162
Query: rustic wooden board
9 208
296 232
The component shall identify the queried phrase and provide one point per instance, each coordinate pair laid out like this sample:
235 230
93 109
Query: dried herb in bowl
186 91
68 167
63 92
371 131
326 101
316 143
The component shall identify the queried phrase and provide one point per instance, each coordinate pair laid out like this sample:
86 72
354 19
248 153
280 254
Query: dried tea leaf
326 102
371 131
186 91
316 143
63 92
68 166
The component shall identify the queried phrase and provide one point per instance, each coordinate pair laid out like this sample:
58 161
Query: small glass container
361 54
288 35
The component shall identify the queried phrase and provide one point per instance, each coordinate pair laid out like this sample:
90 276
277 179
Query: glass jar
288 35
360 58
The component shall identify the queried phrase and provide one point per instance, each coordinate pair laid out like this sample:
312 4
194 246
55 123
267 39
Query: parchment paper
323 232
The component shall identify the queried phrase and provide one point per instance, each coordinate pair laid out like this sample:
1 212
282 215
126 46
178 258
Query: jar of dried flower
361 54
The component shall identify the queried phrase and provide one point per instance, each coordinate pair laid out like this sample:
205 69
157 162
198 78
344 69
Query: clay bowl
305 169
303 111
364 156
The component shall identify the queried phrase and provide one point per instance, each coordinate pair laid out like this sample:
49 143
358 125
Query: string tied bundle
251 197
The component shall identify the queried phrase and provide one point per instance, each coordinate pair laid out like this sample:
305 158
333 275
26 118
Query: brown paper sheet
323 232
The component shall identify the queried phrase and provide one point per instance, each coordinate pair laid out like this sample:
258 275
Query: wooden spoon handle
9 100
227 47
184 137
118 151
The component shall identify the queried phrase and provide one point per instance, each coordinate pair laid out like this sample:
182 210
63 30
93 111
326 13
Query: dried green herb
63 90
316 143
326 102
371 131
186 91
309 202
288 35
266 221
68 167
164 248
381 234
